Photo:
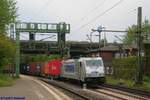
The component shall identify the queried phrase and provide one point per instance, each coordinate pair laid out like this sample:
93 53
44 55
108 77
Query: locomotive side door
81 71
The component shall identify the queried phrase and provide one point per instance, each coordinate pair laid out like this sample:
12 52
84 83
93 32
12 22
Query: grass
6 80
130 83
146 83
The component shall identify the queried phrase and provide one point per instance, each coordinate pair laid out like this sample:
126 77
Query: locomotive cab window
91 63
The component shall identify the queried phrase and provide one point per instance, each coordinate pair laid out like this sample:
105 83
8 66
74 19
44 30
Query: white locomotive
84 69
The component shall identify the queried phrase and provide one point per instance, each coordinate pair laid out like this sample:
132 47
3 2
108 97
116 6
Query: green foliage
5 80
44 57
32 58
125 68
146 32
147 57
146 79
7 50
114 81
7 13
130 38
130 83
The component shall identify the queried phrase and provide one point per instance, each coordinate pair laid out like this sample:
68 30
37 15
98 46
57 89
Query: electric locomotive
85 69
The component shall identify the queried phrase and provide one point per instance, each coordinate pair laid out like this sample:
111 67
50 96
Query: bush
146 79
44 57
7 50
34 58
5 80
125 68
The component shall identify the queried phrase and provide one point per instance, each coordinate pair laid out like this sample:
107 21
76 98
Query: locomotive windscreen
93 63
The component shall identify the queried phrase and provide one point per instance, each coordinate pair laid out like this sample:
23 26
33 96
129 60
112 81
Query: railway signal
32 28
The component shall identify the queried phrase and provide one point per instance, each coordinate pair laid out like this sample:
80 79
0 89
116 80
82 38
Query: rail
135 91
54 83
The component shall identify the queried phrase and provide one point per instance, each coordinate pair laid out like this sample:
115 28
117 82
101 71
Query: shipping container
24 68
35 68
51 68
45 69
55 67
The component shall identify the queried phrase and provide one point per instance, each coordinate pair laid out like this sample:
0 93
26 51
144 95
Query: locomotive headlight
88 74
101 74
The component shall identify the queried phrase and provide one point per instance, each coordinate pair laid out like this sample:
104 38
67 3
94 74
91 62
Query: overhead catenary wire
94 9
91 11
47 37
101 14
39 12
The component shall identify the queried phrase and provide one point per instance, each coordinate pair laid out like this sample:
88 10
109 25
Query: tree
130 38
7 13
7 50
7 46
34 58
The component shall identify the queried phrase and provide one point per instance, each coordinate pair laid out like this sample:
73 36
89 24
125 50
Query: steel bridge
51 47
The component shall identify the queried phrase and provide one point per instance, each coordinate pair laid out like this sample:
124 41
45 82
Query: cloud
78 12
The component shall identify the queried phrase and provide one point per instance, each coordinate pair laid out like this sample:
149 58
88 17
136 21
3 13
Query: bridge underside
76 49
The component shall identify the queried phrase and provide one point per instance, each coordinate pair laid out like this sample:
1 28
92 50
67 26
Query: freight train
50 69
85 69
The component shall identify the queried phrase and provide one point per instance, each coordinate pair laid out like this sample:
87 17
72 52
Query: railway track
121 92
117 94
139 92
103 92
64 87
84 94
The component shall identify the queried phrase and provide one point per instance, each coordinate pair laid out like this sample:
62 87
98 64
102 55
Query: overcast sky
83 15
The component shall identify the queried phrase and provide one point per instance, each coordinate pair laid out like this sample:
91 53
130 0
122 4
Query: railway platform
29 88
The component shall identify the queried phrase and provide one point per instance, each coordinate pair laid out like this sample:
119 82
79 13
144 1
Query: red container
55 67
52 67
49 68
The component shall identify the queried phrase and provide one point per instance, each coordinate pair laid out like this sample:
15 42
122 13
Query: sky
84 15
